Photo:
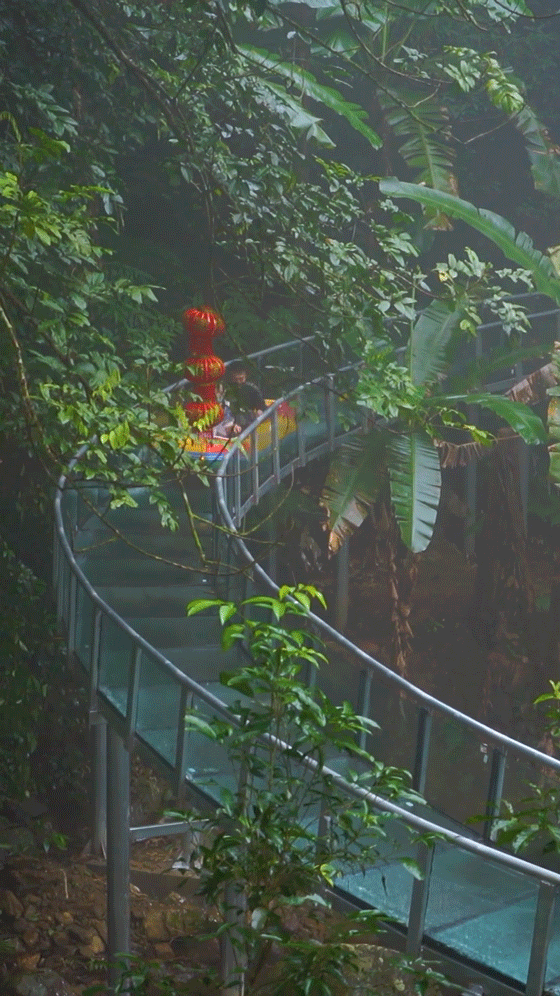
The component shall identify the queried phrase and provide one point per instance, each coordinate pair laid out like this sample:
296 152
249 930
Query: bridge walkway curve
122 583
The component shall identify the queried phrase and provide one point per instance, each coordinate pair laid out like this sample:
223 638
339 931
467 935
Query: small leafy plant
533 821
278 842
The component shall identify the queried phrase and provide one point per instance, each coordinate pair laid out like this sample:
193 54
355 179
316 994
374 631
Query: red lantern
202 324
204 368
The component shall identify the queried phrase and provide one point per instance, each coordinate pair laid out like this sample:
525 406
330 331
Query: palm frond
352 485
415 475
422 126
544 155
429 339
518 416
516 246
307 86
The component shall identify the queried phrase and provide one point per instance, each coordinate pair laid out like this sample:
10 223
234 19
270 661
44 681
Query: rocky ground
53 930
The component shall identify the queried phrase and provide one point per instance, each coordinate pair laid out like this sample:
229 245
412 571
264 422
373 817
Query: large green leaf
423 128
543 155
520 417
297 115
414 470
352 484
307 86
517 247
429 339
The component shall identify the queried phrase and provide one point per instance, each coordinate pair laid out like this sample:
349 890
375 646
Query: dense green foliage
166 146
155 156
287 831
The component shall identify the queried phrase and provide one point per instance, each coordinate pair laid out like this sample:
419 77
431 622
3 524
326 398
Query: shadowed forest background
364 172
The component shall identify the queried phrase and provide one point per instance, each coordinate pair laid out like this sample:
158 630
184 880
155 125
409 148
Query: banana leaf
307 86
429 339
517 247
299 117
352 485
517 415
543 155
414 471
423 128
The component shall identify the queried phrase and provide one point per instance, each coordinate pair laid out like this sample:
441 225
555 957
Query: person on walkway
245 399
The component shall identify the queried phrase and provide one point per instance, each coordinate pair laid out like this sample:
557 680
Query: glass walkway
122 584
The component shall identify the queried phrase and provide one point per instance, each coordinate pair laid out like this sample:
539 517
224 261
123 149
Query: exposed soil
53 930
53 918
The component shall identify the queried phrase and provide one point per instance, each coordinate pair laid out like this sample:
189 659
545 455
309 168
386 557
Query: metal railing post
422 750
182 745
118 855
362 707
99 776
495 789
419 900
94 664
275 447
237 487
132 697
255 466
542 930
342 575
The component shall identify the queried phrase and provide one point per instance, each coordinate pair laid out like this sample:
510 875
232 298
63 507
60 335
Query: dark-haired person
245 399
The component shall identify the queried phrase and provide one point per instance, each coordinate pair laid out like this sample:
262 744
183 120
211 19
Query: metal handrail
391 677
547 879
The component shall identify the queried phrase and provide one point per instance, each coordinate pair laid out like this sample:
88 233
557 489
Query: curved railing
133 686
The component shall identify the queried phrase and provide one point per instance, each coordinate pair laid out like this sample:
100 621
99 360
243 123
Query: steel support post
99 773
422 750
342 572
542 930
275 440
255 465
237 487
495 789
419 900
118 855
363 704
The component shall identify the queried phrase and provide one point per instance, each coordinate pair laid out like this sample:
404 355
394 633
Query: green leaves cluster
271 851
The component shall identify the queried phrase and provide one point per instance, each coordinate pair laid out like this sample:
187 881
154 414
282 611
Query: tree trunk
503 588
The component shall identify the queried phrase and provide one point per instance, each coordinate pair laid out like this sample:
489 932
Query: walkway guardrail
125 671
